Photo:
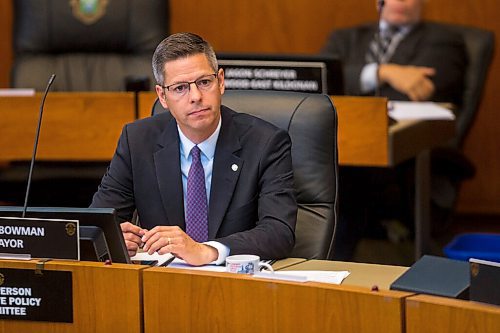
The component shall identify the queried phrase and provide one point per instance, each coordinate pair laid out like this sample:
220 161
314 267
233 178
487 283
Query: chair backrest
311 121
479 44
90 47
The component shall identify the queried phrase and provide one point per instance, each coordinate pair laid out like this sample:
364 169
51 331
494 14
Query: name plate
298 76
45 296
40 238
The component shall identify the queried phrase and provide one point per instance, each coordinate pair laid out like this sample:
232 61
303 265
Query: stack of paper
335 277
418 110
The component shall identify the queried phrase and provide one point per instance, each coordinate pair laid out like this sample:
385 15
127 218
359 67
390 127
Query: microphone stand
37 135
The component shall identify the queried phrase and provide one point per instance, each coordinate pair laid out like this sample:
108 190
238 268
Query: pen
167 262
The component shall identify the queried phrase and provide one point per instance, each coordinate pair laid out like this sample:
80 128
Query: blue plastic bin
474 245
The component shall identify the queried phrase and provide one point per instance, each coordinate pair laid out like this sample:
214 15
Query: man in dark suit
246 202
418 60
402 58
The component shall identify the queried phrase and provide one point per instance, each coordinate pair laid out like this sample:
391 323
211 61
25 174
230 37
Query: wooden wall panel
267 26
301 26
5 42
482 194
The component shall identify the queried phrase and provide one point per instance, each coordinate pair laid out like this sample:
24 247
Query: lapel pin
234 167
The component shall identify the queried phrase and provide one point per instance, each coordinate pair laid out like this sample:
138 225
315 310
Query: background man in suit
246 202
419 60
412 60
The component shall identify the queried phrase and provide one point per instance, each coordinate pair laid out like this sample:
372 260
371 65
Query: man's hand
165 239
132 235
412 81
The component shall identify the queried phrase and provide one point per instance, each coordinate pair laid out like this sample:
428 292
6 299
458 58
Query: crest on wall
88 11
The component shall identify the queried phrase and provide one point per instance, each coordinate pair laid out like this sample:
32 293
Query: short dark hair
178 46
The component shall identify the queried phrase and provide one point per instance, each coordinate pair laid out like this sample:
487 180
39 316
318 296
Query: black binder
436 276
484 279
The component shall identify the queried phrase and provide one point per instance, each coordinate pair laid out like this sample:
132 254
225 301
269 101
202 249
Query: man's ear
220 75
161 96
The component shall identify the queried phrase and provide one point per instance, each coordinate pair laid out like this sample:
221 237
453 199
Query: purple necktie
196 200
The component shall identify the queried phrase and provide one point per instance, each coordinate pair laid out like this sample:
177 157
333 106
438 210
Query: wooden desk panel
438 314
105 298
146 101
86 126
362 133
408 138
75 126
362 130
194 301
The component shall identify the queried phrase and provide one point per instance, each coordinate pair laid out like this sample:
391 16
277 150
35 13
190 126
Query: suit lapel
168 174
407 49
226 170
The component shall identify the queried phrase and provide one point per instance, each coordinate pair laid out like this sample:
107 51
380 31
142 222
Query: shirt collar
403 29
207 147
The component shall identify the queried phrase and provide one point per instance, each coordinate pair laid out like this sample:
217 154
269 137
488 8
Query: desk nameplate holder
298 76
39 238
484 277
36 295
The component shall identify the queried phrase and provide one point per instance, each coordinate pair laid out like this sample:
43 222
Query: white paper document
15 256
16 92
334 277
418 110
179 263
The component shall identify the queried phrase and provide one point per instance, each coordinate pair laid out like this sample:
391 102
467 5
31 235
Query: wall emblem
88 11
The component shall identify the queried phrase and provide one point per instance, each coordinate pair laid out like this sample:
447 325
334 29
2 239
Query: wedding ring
168 241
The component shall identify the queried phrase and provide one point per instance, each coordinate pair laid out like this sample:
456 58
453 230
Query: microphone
37 135
380 7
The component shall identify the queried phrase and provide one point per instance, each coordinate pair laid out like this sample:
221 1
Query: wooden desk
86 126
105 298
362 275
438 314
362 131
177 300
364 136
366 140
76 126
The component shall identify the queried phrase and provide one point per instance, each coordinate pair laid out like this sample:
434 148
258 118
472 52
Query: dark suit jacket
427 44
252 210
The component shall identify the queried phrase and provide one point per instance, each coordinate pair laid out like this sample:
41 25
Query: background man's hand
165 239
412 81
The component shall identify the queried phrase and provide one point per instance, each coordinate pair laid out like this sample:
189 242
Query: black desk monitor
309 73
93 223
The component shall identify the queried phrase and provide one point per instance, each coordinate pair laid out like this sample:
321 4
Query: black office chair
311 121
479 44
449 165
101 48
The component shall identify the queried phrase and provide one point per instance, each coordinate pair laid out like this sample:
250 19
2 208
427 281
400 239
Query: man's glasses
180 89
